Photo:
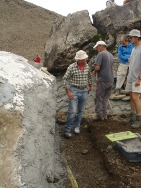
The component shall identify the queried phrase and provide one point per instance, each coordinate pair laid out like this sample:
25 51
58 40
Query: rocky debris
117 97
85 151
118 19
127 98
124 92
27 125
116 106
61 117
68 36
123 95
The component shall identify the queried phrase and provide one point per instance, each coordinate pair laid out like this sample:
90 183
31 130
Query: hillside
25 27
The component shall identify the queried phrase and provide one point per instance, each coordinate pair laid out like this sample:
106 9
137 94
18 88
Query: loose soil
93 159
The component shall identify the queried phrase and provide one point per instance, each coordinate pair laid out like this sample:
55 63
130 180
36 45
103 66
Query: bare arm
97 68
69 94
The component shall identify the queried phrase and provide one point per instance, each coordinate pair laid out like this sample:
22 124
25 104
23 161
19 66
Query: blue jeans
76 108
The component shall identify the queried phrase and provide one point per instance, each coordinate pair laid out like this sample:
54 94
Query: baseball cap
100 43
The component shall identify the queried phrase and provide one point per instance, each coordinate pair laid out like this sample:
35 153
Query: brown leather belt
80 87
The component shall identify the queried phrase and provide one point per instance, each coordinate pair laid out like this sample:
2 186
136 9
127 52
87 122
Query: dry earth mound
24 27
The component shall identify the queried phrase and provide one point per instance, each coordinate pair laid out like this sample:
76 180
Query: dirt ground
10 130
94 160
26 31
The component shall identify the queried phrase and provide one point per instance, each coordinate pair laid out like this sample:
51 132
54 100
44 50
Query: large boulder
67 36
27 124
119 18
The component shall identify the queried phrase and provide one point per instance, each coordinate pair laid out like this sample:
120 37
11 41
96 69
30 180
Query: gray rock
68 36
118 19
27 117
85 151
117 97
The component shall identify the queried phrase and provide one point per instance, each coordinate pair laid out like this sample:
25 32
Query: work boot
133 117
137 123
130 119
67 134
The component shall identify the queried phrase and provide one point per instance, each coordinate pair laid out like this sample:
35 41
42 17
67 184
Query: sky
64 7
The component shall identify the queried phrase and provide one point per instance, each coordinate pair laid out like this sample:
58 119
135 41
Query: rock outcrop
68 36
27 124
76 32
118 19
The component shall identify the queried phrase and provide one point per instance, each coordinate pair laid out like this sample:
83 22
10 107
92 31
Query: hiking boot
133 117
77 130
137 123
67 134
117 91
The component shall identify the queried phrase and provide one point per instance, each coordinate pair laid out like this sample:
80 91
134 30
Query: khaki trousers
121 75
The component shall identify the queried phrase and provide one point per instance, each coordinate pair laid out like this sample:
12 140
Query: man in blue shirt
124 52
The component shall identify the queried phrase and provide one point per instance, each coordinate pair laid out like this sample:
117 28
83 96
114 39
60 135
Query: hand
89 88
94 73
70 94
137 82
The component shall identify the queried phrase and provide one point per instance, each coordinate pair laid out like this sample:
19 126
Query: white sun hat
80 55
135 33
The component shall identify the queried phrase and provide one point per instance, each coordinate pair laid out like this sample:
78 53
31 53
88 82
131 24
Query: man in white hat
134 78
105 78
77 81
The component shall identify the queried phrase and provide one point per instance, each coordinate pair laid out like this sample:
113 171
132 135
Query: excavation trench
93 159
